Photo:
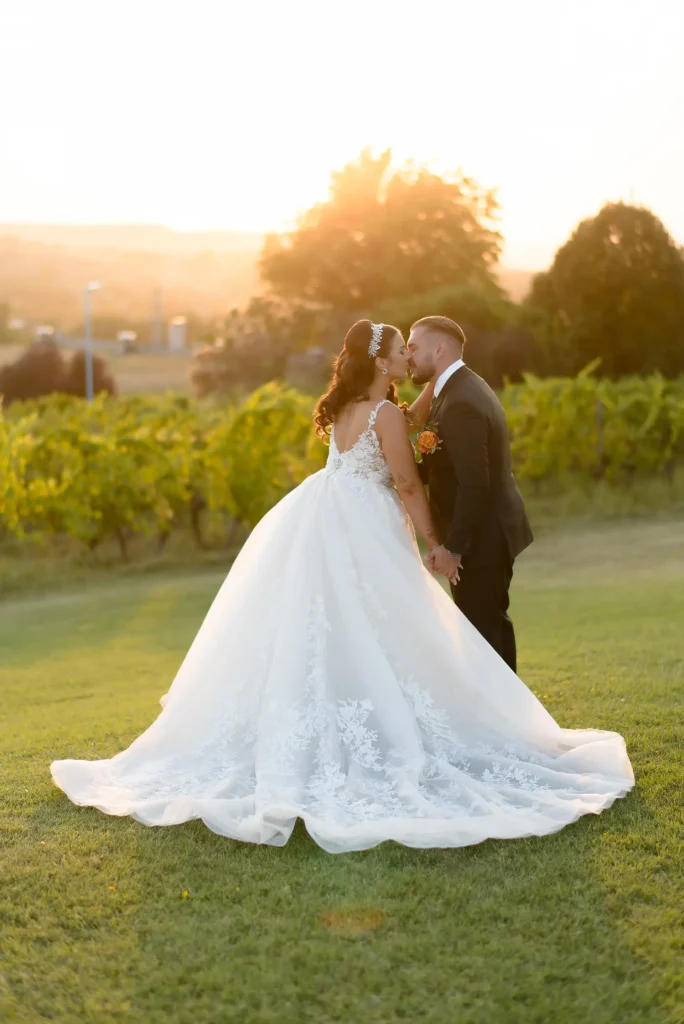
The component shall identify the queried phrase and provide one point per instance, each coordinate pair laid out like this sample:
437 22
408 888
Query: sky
217 114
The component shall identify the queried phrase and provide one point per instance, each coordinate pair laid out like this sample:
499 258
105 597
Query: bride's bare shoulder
390 413
390 419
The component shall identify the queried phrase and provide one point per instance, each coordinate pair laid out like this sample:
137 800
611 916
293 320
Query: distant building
128 340
177 334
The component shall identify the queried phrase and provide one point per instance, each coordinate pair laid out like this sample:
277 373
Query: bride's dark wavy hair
353 373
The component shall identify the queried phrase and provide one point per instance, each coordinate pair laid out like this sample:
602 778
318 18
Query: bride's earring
384 369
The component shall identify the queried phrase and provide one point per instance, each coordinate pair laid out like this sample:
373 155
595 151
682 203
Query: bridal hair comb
376 340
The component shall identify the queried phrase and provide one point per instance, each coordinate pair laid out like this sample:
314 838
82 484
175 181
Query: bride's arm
390 427
417 414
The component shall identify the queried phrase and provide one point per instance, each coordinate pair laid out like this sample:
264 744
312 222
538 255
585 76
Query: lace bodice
364 459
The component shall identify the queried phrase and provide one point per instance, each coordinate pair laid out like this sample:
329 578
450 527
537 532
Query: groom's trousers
483 596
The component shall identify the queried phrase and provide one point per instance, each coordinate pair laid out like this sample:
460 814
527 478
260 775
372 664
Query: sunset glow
225 115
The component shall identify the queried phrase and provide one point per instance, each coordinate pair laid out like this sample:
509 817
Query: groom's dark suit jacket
474 498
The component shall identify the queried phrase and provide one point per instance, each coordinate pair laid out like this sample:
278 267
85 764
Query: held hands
440 560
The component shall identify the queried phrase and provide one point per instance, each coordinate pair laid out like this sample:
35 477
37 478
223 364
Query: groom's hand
442 561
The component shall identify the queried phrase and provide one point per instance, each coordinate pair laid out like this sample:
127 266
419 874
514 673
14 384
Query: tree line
397 243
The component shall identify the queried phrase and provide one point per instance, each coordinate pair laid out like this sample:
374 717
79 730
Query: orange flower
427 442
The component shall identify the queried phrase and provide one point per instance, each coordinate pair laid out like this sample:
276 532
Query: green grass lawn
583 926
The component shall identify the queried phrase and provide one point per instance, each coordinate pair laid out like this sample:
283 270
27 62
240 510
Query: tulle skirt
334 680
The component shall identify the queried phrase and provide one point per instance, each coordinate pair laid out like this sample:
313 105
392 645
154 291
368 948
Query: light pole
93 286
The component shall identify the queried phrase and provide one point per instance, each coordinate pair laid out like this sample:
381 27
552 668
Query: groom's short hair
442 325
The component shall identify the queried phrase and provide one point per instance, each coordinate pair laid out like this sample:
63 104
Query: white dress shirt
444 377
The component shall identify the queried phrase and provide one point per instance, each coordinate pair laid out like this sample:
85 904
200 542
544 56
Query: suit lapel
436 405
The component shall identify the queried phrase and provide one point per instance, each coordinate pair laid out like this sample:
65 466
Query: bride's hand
442 561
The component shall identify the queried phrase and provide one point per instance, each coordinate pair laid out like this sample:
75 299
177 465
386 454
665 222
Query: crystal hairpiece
376 340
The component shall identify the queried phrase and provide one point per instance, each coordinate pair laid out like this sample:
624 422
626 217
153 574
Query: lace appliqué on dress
364 459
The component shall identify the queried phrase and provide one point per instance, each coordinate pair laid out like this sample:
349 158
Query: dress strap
374 413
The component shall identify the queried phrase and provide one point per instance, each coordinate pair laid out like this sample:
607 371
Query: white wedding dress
334 680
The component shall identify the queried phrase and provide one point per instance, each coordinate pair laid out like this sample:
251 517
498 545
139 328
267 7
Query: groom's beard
421 377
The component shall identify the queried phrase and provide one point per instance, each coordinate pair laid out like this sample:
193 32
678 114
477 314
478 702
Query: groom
474 498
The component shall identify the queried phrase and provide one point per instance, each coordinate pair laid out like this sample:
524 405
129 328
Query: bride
334 680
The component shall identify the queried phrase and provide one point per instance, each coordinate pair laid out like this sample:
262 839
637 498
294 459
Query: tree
383 234
41 369
258 345
5 333
38 370
496 346
483 308
615 290
74 381
253 348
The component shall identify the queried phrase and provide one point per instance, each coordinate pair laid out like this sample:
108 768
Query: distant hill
43 279
200 274
136 238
